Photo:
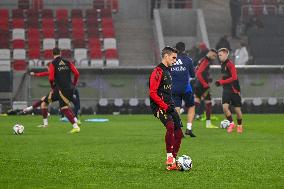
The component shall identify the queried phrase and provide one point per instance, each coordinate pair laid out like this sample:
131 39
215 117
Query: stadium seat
23 4
80 55
48 56
34 43
19 65
5 60
4 24
47 23
33 23
111 57
4 13
32 14
18 44
92 23
76 13
62 14
48 33
18 13
18 23
64 43
108 33
18 33
109 43
78 34
66 53
48 43
107 23
94 43
93 33
91 13
105 13
79 43
34 57
96 57
47 13
19 54
99 4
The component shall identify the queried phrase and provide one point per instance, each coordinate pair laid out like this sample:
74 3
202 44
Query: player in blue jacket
182 71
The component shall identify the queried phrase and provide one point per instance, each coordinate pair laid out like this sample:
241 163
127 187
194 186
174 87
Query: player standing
60 76
231 89
202 87
162 105
181 73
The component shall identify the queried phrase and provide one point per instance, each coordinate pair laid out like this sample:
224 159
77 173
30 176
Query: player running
181 73
163 106
231 90
202 87
60 81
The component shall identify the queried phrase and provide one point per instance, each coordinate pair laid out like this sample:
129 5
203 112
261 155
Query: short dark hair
168 50
56 51
180 46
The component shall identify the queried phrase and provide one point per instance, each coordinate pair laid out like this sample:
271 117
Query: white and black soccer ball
184 163
18 129
224 124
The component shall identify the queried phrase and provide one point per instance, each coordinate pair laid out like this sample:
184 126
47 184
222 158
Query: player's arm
201 69
75 72
232 69
155 80
41 74
51 75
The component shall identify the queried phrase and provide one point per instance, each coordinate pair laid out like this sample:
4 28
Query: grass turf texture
128 152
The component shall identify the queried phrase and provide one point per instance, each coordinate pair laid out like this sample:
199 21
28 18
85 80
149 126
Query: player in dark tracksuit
231 90
202 87
162 104
60 78
181 73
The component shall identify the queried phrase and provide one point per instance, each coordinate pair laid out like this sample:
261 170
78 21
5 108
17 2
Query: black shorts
164 117
232 98
200 92
52 96
188 98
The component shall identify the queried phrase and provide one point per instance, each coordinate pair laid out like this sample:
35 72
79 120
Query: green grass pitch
129 152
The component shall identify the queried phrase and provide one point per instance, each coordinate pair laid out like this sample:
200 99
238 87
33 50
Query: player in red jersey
231 90
162 104
60 71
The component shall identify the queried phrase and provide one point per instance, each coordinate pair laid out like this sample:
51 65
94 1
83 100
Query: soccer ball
18 129
184 163
224 124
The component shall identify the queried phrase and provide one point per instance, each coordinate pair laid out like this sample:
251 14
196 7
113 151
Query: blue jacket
181 72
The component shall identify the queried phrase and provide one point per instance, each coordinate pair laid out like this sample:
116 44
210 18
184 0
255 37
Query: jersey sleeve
232 69
191 69
75 72
51 75
155 80
200 70
42 74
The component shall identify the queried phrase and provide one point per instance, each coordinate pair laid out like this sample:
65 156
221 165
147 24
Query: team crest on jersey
61 63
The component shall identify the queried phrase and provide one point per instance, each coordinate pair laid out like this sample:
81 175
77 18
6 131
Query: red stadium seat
96 53
48 33
18 23
19 65
111 54
17 13
33 23
107 23
34 53
66 53
105 13
108 33
92 22
34 43
23 4
47 23
79 43
62 14
4 13
47 54
4 23
32 13
99 4
94 43
47 13
18 44
76 13
4 43
91 13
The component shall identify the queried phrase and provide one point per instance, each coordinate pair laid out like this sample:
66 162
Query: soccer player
60 77
202 87
231 90
162 105
181 73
